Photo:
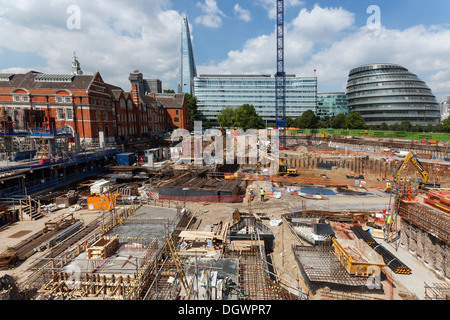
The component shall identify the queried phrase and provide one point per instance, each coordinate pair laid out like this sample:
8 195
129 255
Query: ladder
178 265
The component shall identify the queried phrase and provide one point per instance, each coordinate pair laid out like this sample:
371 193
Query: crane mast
280 76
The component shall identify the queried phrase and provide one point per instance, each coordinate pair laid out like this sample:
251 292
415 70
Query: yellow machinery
411 158
286 170
446 149
282 169
358 258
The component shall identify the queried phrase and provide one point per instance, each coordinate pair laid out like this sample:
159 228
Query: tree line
245 117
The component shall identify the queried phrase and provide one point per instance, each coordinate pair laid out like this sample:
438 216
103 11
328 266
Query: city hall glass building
391 94
216 92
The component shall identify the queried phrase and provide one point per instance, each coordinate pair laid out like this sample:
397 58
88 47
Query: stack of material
68 199
389 259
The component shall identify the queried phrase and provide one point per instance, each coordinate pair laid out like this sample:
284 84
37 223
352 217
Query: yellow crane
410 157
446 149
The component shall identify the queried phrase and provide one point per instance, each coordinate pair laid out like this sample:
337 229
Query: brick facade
86 105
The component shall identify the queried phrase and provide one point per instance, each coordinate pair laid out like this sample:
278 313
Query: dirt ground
282 256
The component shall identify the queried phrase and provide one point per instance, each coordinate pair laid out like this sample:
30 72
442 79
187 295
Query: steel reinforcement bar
432 221
389 259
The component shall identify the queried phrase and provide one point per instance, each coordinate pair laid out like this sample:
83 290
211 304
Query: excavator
410 157
283 169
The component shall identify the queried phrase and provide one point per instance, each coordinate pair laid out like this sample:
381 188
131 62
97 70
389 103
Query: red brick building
79 103
177 110
86 105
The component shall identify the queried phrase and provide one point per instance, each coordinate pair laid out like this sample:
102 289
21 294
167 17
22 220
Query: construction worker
262 192
388 222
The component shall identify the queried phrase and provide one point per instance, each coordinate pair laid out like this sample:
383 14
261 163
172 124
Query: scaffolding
437 291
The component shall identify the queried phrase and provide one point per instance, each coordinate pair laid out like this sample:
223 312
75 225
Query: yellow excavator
285 170
410 157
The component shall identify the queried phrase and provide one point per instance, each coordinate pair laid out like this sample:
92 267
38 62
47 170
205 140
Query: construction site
345 218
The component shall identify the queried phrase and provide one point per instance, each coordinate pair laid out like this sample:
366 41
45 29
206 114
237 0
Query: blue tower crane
280 77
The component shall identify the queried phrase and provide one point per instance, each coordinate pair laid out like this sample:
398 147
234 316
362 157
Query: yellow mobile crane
411 157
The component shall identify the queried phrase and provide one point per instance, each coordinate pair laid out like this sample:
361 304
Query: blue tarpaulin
321 191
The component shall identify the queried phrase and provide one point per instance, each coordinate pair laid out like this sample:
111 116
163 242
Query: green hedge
443 137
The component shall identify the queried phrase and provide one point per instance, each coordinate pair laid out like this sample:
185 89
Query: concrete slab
125 260
414 282
155 212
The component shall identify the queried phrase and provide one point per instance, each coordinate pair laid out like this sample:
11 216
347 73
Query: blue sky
116 37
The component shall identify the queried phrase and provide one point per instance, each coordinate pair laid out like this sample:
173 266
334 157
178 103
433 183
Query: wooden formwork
103 248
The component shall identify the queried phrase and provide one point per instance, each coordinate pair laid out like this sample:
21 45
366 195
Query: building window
60 114
177 112
176 120
69 114
21 98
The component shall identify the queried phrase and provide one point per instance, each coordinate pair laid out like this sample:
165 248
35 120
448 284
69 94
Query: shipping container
125 159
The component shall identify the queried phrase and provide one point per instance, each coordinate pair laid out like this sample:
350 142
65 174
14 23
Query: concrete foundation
433 252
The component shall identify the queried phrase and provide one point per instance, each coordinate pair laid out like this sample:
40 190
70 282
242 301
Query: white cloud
327 39
241 13
322 24
109 40
212 15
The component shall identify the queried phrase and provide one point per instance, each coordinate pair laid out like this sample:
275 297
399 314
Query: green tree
226 117
384 126
169 91
308 120
406 125
429 128
395 127
445 125
338 121
192 104
208 124
355 121
245 117
290 122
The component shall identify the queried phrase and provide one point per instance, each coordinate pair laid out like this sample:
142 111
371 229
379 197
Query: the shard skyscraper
188 69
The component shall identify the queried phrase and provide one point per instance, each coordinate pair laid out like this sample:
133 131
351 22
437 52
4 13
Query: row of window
382 92
431 99
387 77
394 84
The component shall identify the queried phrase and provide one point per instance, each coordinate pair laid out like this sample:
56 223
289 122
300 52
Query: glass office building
331 104
391 94
188 70
216 92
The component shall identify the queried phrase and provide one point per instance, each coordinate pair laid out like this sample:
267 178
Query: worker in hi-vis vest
388 222
262 192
